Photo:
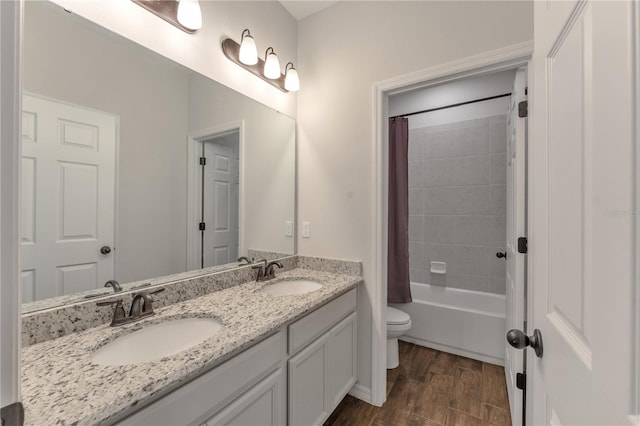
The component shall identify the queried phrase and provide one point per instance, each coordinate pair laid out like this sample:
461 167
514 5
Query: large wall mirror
136 167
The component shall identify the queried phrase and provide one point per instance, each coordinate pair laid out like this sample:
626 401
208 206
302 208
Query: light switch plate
288 228
306 229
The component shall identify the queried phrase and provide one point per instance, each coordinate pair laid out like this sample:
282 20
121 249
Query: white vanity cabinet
323 372
252 381
297 377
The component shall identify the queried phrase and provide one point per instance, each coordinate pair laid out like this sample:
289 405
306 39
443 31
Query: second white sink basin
156 341
291 287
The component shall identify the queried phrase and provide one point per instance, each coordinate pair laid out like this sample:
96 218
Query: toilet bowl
398 323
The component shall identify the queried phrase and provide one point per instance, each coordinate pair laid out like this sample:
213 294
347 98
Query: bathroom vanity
318 364
277 359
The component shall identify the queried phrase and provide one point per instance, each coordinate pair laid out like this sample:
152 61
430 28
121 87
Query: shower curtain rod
452 106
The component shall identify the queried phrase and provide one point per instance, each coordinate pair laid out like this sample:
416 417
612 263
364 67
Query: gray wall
457 203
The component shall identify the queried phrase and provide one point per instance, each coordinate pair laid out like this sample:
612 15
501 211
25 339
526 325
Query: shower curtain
398 283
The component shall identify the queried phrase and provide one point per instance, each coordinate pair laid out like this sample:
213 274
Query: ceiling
300 9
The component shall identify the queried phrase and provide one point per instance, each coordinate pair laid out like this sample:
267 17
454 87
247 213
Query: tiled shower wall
457 203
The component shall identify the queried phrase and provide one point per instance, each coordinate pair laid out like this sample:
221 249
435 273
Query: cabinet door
263 405
342 359
308 391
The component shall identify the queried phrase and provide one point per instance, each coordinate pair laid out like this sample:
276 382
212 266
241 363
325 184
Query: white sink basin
156 341
291 287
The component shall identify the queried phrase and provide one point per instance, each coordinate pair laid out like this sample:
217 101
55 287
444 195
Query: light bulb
189 14
271 65
291 79
248 52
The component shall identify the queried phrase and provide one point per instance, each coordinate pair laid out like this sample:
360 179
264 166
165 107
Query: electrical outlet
306 229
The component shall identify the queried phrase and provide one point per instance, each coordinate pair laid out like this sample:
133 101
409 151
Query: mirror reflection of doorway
219 227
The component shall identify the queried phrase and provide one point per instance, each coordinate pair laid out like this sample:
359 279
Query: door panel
582 181
221 210
516 227
68 196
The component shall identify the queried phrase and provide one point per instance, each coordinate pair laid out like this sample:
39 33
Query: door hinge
523 109
203 161
522 245
201 226
526 90
521 381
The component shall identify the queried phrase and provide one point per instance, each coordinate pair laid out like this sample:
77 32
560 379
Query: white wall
343 50
269 22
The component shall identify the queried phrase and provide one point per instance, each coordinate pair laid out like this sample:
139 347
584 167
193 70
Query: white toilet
398 323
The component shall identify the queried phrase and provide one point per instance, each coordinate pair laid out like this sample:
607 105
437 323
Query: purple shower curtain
398 284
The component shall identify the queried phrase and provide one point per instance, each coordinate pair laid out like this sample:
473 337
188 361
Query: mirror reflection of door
68 193
220 199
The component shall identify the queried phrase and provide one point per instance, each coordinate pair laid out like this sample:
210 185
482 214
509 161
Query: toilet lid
396 316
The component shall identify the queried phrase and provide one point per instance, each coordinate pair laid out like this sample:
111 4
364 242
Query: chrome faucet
114 284
141 307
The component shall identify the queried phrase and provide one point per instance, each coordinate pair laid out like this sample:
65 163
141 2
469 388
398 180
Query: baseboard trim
456 351
362 393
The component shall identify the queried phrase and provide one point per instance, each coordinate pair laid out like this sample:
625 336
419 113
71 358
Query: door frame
509 57
10 158
194 186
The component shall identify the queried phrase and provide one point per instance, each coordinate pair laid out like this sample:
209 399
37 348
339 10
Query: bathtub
463 322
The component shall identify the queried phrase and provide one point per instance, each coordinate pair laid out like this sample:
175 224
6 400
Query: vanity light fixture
271 64
183 14
291 79
248 52
267 69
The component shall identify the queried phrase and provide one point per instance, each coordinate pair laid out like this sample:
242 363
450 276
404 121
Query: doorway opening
215 214
476 117
219 201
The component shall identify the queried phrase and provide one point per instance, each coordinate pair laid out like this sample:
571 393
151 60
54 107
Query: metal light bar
231 50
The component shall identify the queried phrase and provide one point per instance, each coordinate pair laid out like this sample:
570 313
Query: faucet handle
116 302
119 315
151 293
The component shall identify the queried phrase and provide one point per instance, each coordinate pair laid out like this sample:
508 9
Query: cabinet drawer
318 322
197 400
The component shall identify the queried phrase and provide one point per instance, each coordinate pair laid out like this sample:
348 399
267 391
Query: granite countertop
61 385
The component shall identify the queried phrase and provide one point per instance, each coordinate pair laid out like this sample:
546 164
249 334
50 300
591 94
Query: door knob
501 254
105 249
519 340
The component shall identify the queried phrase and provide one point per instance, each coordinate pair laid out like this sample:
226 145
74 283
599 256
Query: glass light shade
189 14
291 80
248 52
272 66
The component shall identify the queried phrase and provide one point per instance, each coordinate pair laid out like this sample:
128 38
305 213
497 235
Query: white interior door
221 198
68 194
582 236
516 228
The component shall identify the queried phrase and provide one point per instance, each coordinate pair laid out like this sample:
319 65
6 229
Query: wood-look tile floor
433 388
